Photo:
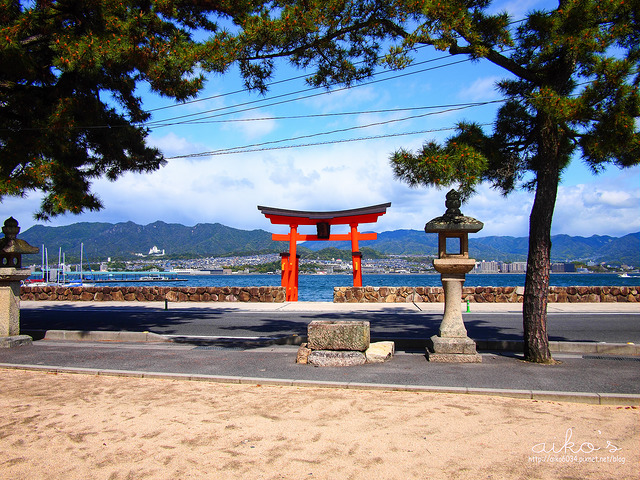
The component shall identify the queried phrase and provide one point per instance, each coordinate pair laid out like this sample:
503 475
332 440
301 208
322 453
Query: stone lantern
452 343
11 273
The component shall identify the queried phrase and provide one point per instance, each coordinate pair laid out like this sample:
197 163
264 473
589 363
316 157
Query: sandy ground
69 426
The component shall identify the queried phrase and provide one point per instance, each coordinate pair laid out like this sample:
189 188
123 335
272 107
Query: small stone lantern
11 273
452 343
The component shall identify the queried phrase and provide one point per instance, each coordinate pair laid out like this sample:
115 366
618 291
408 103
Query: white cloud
171 144
592 209
288 175
227 189
250 128
482 89
597 198
519 8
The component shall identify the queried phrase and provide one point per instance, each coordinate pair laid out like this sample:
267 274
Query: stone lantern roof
453 220
12 248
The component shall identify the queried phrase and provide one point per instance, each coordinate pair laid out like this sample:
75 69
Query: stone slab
333 358
453 357
453 345
15 341
339 335
380 352
303 354
9 312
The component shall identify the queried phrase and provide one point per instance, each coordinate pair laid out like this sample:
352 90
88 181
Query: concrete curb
103 336
401 343
538 395
562 347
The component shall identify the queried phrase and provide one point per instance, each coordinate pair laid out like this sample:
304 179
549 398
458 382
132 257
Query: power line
278 82
328 142
339 114
161 123
342 130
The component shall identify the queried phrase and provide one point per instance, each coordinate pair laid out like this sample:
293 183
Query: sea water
319 288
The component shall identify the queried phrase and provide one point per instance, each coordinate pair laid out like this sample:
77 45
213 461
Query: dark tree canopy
69 111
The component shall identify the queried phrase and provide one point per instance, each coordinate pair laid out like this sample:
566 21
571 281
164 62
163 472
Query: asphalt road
574 327
256 362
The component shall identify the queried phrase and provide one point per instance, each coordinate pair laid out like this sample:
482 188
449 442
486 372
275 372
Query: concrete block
339 335
380 352
15 341
333 358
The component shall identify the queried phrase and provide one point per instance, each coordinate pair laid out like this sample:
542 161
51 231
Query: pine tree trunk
536 290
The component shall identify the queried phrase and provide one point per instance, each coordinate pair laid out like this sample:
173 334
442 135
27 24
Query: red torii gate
323 222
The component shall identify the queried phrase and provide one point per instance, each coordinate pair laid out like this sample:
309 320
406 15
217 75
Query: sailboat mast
81 248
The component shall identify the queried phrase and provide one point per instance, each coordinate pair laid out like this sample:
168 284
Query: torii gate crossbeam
323 222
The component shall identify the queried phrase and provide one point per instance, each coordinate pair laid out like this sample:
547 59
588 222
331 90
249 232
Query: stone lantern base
10 308
452 345
452 350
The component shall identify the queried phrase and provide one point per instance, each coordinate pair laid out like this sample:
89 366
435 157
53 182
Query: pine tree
571 92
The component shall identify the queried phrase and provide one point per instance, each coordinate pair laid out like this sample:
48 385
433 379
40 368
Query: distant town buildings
513 267
486 267
521 267
392 264
563 268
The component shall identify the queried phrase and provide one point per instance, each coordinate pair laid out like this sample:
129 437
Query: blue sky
333 176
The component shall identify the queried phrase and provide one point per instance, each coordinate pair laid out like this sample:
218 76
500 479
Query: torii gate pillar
323 222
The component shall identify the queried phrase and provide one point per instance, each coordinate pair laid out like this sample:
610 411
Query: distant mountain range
124 240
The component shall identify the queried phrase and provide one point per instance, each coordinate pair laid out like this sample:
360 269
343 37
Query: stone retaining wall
340 294
483 294
155 294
